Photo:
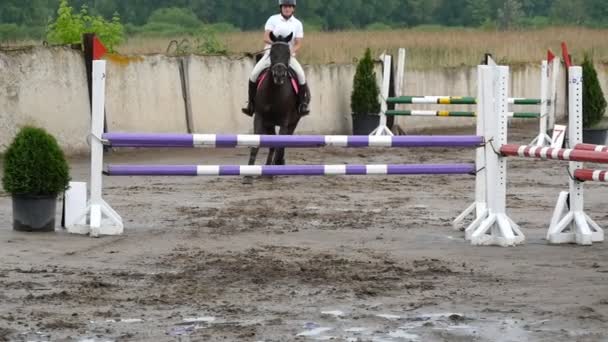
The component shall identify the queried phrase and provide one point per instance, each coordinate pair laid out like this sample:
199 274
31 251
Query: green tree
594 103
568 12
364 98
69 27
479 12
510 14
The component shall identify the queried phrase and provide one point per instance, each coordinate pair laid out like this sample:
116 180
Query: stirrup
249 110
303 109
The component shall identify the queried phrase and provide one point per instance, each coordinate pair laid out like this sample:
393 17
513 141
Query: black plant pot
364 124
595 136
34 213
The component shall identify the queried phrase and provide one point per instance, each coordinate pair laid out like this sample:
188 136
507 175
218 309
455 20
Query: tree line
30 18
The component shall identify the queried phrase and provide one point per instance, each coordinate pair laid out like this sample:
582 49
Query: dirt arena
305 259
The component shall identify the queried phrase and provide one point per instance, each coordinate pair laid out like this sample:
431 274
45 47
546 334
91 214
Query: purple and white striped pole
289 170
244 140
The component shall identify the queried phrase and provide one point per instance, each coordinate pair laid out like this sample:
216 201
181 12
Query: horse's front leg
253 151
271 151
279 158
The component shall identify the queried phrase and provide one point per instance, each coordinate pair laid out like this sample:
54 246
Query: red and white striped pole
591 175
590 147
575 155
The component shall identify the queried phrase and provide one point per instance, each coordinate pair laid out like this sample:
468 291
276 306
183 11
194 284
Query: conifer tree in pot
35 172
364 102
595 128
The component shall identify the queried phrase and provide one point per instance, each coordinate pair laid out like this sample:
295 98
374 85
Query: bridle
280 64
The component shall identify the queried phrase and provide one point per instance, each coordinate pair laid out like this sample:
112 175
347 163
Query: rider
281 24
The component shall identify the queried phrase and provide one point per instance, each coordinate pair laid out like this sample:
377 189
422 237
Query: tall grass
426 48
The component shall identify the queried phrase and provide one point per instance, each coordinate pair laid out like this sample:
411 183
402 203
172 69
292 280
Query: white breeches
265 63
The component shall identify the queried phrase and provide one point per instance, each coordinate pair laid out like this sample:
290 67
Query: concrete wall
47 87
144 95
218 86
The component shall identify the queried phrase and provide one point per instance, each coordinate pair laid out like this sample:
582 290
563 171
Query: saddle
293 77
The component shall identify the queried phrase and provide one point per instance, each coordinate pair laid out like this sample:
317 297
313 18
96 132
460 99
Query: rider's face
287 10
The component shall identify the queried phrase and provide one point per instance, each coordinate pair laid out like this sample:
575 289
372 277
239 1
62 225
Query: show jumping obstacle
290 170
445 113
491 226
547 101
103 220
569 224
589 147
591 175
291 141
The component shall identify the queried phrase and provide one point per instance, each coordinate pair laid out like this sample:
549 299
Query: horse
276 102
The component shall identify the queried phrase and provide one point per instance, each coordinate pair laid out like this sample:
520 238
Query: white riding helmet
287 2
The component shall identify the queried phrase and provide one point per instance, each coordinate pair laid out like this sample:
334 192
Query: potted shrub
365 107
595 128
35 172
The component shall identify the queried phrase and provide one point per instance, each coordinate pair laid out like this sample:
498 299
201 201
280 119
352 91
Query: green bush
177 16
364 98
35 165
223 27
69 27
378 27
9 32
594 103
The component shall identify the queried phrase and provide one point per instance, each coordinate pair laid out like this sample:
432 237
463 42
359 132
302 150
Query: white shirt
281 26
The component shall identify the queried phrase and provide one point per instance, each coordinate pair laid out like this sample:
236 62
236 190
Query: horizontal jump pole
591 175
233 141
443 113
289 170
590 147
454 100
554 153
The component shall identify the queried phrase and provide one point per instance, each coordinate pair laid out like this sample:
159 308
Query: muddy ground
305 259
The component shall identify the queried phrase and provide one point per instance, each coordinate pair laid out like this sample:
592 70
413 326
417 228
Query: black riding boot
304 96
250 109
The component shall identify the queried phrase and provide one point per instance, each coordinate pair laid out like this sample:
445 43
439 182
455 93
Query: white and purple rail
290 170
291 141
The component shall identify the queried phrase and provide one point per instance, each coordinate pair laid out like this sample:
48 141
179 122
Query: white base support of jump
570 223
572 226
493 227
542 139
382 130
102 220
468 211
497 230
99 217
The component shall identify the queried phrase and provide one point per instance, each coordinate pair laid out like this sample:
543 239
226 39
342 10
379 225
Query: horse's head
280 53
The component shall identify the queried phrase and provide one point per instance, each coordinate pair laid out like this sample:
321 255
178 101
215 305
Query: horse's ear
288 39
273 38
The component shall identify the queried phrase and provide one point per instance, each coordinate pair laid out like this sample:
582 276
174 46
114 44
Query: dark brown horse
276 102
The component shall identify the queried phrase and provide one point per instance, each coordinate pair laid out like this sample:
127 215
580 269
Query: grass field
426 49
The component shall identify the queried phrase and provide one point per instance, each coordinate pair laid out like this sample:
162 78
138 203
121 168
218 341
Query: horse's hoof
248 180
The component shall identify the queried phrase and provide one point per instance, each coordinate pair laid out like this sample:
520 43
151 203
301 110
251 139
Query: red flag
98 49
567 59
550 56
